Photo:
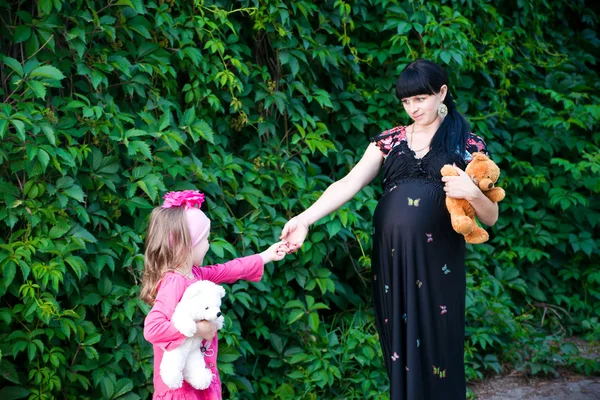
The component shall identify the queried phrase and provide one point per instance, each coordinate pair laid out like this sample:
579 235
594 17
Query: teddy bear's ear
221 291
195 289
479 156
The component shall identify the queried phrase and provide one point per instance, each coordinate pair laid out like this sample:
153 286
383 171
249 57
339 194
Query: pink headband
198 223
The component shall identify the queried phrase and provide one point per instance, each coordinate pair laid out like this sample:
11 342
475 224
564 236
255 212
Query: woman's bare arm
340 192
335 196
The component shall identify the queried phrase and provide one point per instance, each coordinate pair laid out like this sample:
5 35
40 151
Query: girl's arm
335 196
158 328
249 268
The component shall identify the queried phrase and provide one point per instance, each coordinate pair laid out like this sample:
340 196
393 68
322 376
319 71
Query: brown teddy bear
485 174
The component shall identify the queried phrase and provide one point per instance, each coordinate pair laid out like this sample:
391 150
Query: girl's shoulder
172 278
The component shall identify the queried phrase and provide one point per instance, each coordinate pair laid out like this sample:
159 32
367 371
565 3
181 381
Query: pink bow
188 198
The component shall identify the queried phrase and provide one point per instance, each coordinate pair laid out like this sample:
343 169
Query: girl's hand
206 330
276 252
461 186
294 233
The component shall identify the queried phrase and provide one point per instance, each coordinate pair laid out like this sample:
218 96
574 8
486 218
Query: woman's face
423 108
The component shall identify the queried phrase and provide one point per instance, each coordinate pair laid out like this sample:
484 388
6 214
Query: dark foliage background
261 104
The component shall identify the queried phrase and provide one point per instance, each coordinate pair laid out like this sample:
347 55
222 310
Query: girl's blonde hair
168 247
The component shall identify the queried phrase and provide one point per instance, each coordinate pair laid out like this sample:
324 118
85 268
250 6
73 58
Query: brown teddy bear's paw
478 236
496 194
463 225
449 170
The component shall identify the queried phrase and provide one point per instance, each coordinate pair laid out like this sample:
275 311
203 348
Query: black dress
418 267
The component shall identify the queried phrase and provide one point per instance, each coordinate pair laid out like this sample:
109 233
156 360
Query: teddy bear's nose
491 185
218 314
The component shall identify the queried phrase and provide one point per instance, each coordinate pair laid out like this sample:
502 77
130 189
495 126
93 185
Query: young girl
176 244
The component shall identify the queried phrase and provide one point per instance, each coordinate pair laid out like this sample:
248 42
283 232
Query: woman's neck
428 129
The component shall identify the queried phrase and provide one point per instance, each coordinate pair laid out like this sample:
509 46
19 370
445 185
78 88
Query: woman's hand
294 233
461 186
206 330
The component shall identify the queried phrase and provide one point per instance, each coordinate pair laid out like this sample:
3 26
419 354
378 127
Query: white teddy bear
200 301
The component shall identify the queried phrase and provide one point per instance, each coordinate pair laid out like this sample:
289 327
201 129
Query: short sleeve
475 144
388 139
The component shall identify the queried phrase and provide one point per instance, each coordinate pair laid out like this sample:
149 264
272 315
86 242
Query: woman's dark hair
427 77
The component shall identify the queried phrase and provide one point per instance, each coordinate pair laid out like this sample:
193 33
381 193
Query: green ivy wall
261 104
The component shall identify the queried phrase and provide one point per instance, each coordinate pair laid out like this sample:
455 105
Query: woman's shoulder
395 132
476 143
389 138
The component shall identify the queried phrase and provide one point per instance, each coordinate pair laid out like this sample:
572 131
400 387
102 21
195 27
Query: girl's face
199 251
423 108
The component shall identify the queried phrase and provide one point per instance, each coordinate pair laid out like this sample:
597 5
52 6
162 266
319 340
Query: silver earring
442 110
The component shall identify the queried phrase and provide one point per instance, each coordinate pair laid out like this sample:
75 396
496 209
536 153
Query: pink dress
159 331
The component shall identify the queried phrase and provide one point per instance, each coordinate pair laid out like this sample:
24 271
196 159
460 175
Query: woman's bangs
412 82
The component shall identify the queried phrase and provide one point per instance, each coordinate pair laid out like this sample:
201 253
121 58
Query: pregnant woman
418 262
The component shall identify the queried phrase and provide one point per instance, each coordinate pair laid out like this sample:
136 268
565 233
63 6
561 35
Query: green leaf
536 293
124 3
123 386
77 264
22 33
92 339
48 72
66 326
64 182
49 132
294 66
107 387
20 127
9 271
44 6
298 358
135 133
188 117
313 321
130 396
286 392
295 315
138 146
150 184
3 127
333 227
13 392
204 130
130 308
228 354
9 372
14 65
78 231
284 57
44 158
295 304
75 192
446 56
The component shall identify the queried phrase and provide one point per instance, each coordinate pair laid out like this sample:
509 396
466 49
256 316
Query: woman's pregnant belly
412 206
